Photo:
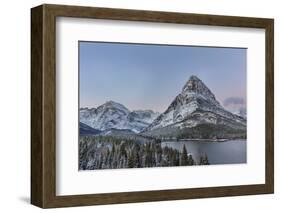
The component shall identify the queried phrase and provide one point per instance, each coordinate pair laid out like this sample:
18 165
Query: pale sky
143 76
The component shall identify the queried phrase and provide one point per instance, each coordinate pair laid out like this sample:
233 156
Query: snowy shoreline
202 140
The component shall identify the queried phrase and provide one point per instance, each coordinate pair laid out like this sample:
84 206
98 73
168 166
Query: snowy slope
87 130
242 111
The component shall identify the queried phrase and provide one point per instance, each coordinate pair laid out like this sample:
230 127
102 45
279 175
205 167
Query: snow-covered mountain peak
195 87
194 97
113 105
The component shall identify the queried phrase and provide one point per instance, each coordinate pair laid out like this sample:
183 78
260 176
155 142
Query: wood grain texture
43 105
36 106
269 118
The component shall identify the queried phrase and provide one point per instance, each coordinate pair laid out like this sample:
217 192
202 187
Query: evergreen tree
184 157
138 163
113 148
131 160
190 160
175 158
204 160
148 156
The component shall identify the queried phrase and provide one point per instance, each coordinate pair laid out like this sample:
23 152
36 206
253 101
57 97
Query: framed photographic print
136 106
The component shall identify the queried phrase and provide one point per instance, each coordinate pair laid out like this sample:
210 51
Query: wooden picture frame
43 105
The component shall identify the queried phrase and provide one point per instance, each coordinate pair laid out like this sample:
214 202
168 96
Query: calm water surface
228 152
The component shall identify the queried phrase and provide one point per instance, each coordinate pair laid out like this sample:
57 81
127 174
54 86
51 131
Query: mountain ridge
193 110
113 115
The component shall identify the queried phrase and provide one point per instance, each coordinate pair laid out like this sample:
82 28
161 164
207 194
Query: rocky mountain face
194 112
112 115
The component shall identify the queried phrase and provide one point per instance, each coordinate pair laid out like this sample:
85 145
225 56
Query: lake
228 152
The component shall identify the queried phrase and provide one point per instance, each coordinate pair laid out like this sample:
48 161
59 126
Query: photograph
161 105
139 105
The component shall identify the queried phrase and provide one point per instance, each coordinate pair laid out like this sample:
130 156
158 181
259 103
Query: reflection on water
229 152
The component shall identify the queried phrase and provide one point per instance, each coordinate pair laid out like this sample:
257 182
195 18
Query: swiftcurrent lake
227 152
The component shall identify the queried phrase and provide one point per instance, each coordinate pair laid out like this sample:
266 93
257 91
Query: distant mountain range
194 113
112 115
